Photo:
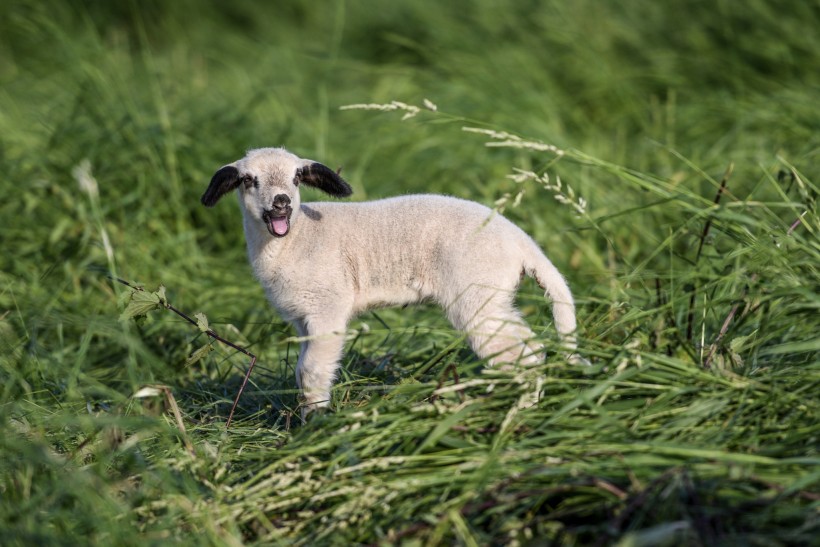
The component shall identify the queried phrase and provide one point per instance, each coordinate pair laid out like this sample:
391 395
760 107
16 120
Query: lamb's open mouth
278 224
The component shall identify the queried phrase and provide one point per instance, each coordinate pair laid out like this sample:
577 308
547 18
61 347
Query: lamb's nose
281 201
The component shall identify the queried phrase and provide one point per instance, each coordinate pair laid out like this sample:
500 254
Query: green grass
696 424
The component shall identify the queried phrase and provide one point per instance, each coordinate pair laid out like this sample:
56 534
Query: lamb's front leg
321 351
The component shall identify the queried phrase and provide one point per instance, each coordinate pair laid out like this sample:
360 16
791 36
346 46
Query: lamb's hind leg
494 327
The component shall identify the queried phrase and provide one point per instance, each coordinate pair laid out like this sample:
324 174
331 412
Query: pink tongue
280 225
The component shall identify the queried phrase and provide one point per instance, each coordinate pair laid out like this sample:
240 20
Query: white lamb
321 263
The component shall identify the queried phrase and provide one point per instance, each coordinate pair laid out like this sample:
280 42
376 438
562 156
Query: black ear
325 179
223 181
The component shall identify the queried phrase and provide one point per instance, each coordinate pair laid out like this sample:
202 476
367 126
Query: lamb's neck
262 247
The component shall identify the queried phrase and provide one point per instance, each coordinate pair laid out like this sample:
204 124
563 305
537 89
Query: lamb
322 263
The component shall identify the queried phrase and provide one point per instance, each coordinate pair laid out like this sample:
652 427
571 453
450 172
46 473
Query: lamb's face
269 187
268 182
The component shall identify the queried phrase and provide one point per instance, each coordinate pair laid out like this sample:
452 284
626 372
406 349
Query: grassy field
664 155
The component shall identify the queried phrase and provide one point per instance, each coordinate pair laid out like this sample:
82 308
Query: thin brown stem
212 334
239 393
706 227
726 322
795 224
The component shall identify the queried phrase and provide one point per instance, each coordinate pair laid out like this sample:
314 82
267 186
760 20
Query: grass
685 139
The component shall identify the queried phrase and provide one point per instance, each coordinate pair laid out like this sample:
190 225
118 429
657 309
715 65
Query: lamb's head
268 180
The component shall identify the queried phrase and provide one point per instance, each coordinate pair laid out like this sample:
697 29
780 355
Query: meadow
663 154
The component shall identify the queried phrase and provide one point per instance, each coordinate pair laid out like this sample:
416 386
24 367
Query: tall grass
664 155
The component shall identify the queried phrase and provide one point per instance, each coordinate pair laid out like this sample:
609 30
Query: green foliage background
697 422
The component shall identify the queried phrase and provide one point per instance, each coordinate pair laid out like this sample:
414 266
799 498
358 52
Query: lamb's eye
297 177
250 180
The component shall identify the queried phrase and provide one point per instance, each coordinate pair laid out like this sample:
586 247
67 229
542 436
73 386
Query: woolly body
329 261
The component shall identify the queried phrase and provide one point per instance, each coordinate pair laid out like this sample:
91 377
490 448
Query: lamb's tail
550 279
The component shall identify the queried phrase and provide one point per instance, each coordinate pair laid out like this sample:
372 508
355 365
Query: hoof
313 411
